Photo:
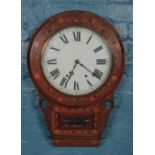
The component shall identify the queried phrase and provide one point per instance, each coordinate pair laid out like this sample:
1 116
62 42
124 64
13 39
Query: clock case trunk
76 126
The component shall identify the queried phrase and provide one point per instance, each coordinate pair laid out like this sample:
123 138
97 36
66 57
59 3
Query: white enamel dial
76 61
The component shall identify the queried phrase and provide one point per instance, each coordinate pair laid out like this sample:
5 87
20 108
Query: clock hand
92 73
71 73
84 67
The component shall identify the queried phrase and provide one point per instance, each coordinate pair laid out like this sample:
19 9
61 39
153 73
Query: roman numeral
76 85
98 49
89 82
52 61
64 39
53 48
89 39
55 73
101 61
97 73
77 36
63 81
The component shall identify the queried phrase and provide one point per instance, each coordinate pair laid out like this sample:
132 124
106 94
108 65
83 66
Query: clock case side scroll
61 106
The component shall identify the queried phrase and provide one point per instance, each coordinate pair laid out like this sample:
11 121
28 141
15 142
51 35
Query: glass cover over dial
76 61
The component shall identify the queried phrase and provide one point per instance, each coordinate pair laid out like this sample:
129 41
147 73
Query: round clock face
76 61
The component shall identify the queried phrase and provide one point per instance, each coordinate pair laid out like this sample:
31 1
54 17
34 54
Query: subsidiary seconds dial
76 61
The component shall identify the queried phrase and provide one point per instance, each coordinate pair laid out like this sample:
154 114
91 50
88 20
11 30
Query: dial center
77 61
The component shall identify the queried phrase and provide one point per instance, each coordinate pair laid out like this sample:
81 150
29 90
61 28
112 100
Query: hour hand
71 73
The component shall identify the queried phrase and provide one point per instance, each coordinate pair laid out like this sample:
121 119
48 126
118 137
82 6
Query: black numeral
64 39
89 39
52 61
77 36
89 82
97 73
53 48
101 61
55 73
63 81
98 49
76 85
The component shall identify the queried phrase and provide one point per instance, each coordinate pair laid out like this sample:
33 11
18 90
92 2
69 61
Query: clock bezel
81 19
67 92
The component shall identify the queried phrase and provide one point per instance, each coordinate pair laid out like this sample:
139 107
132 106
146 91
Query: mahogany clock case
80 19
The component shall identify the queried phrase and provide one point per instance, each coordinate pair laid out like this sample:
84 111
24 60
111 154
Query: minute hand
85 68
92 73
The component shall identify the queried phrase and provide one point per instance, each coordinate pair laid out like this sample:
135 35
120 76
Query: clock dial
76 61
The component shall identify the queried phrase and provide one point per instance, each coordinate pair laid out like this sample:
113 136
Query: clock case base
76 126
76 141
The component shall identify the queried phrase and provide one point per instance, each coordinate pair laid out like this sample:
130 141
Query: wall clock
76 60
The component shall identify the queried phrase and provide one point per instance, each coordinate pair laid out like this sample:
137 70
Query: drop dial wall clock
76 60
